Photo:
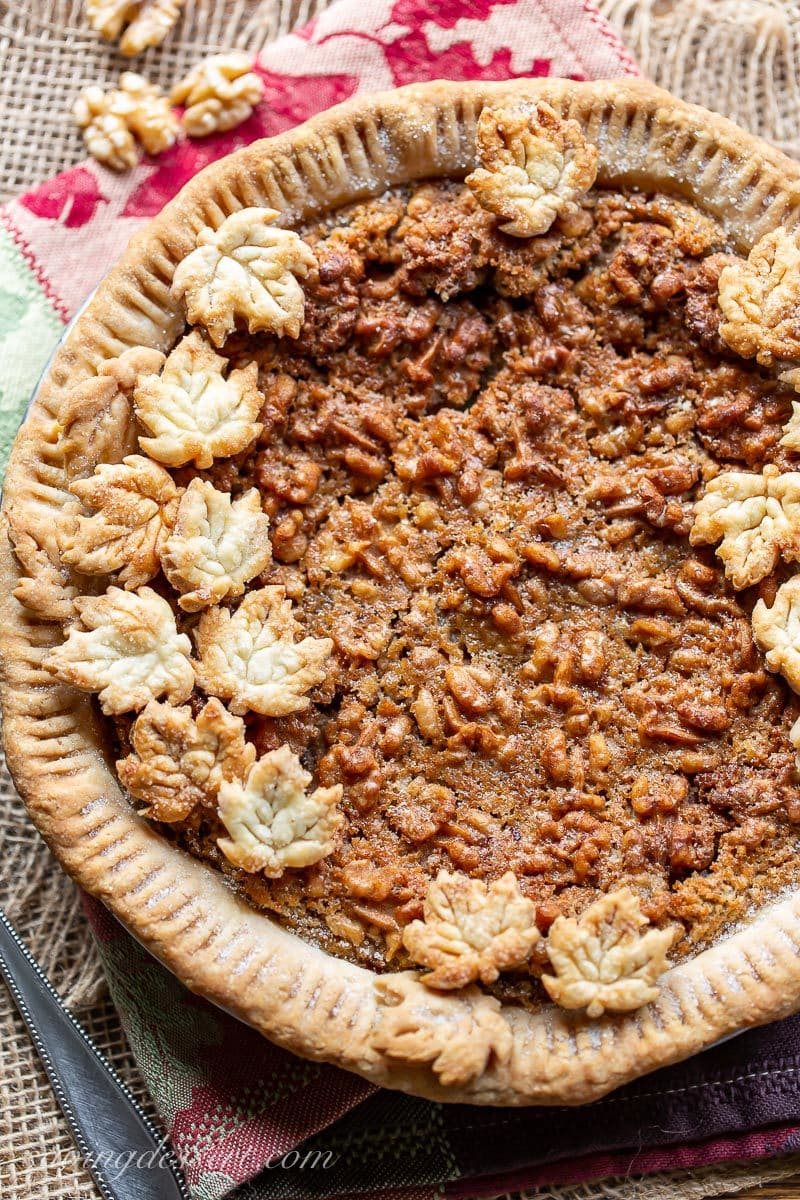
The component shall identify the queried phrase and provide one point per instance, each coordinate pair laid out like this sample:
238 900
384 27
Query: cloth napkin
239 1111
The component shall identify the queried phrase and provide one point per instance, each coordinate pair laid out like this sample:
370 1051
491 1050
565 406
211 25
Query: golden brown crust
134 505
456 1035
318 1006
97 419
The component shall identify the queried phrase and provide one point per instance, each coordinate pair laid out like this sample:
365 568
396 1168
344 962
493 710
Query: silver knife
126 1154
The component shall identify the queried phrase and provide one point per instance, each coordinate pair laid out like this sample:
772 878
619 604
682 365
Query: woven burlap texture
741 57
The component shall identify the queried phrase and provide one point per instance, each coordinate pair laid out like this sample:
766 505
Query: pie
401 621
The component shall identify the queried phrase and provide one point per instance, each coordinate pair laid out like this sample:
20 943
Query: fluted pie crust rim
318 1006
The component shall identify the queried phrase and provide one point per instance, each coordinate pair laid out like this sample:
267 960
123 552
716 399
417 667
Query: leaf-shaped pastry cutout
193 411
756 519
603 960
250 657
534 166
179 761
470 931
777 631
129 651
760 300
97 420
135 505
217 545
273 822
457 1034
247 269
44 588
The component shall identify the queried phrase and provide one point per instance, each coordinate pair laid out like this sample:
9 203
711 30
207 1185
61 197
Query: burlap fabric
738 56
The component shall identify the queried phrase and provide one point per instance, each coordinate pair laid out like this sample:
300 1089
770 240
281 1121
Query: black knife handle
126 1154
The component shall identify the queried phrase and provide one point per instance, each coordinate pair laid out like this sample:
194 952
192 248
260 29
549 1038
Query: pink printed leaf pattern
71 198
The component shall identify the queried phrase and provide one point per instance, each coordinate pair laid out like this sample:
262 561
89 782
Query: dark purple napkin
737 1101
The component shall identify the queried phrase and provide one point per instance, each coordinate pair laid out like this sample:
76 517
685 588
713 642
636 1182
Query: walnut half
115 122
218 94
148 21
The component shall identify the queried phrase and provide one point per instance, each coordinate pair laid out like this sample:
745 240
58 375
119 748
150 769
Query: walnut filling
479 462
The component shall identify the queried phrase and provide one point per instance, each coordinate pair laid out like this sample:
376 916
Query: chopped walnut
248 268
603 960
97 421
135 503
534 167
250 656
777 631
129 651
193 411
760 300
757 518
179 761
217 545
113 122
458 1035
272 821
218 94
107 135
148 21
470 931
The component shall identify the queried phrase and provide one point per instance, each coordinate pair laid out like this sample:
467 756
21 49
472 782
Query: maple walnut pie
405 629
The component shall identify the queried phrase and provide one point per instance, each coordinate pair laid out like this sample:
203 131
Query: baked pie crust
89 491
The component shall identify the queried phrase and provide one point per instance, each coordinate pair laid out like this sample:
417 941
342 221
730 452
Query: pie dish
401 625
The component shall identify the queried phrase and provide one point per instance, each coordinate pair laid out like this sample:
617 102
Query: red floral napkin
73 228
